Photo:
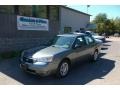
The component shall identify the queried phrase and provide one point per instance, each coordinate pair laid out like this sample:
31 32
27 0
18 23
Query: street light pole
87 8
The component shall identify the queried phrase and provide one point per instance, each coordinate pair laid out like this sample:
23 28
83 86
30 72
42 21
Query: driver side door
79 49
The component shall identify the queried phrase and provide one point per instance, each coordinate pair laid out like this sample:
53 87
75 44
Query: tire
95 56
63 69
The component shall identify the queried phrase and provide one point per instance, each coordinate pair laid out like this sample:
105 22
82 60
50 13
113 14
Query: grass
10 54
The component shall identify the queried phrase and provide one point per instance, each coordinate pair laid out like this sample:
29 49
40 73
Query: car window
89 40
80 41
88 33
63 41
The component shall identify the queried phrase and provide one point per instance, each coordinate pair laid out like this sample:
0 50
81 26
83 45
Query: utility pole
87 8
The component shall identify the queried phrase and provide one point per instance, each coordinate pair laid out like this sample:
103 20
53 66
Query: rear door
91 45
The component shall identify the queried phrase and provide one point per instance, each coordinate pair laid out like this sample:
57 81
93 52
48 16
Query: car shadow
80 74
104 48
101 54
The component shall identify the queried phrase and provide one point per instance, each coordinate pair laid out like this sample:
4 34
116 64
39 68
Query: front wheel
63 69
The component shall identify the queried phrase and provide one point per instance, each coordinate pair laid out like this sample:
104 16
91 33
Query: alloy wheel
64 68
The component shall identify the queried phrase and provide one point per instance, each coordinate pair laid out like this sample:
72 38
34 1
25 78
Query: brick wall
13 44
13 39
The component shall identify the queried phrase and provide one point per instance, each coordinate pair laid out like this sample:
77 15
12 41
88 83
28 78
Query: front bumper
42 69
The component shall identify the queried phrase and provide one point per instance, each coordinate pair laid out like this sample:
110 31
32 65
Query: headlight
43 59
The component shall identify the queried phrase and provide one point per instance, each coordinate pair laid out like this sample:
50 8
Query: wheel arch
66 59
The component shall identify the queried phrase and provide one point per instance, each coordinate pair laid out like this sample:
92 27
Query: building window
41 11
54 10
67 29
25 10
82 28
9 9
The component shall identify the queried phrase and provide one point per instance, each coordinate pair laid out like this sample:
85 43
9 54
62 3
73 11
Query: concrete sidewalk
6 80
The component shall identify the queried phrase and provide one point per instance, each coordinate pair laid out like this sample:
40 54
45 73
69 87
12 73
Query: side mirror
77 46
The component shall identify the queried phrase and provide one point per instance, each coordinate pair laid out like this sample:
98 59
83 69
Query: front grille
32 71
27 60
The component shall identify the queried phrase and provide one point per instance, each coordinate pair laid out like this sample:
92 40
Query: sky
112 11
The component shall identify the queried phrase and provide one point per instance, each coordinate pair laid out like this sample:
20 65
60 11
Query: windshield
63 41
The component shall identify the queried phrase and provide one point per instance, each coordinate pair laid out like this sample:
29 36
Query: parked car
116 35
105 35
60 55
95 35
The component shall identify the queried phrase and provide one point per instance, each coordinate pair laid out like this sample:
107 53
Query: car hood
98 37
45 52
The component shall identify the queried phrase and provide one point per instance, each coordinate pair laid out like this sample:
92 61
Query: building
72 20
24 27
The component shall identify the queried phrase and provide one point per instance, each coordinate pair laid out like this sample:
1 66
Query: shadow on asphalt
80 74
104 48
101 54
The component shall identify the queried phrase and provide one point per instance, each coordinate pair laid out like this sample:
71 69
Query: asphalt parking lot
104 72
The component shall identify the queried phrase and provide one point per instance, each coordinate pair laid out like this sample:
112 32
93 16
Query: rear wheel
95 57
63 69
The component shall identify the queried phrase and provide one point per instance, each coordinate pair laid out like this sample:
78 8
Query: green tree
100 18
105 25
101 21
117 24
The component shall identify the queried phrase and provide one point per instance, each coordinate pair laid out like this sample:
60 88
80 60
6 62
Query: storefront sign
31 23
